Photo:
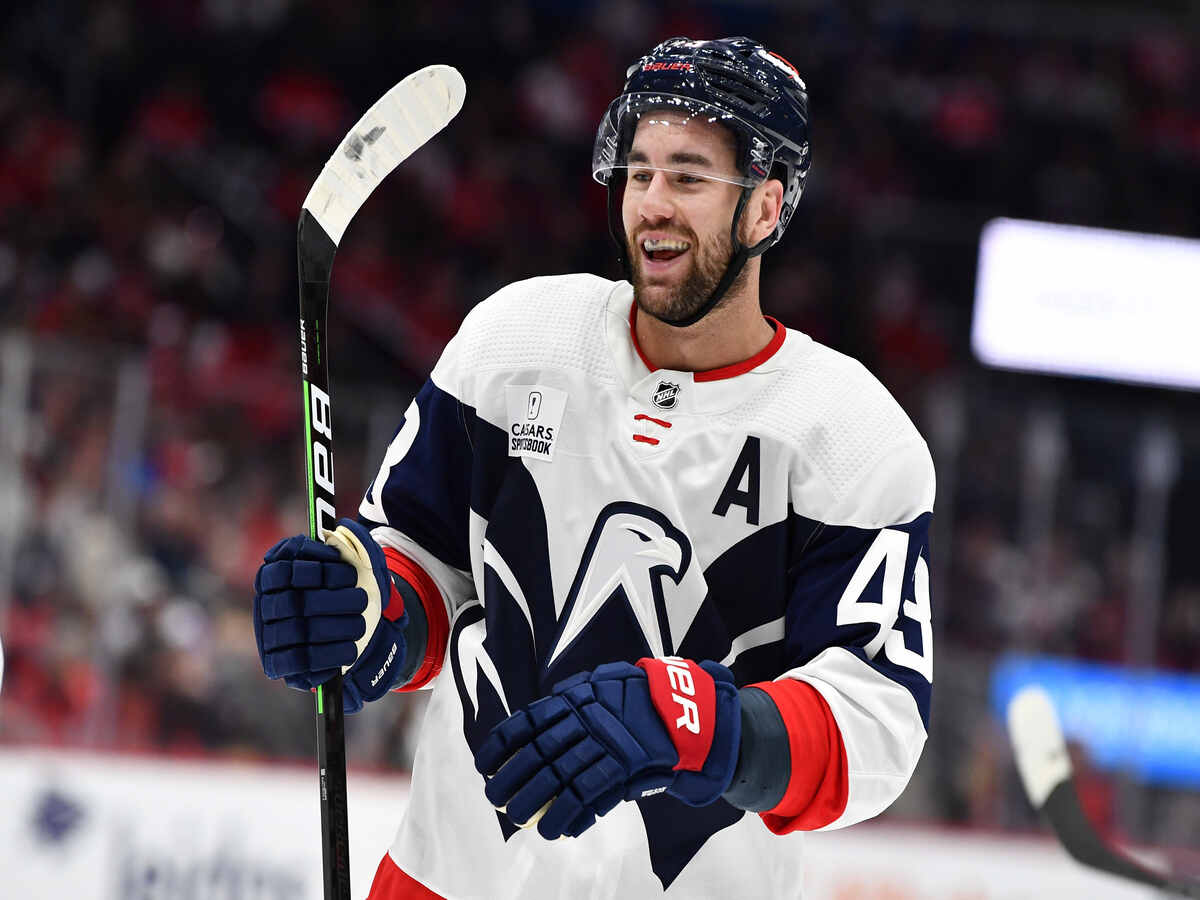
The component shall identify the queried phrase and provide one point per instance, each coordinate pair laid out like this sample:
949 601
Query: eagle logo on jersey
665 395
636 591
632 550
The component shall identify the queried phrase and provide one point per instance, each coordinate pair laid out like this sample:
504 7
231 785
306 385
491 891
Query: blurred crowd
154 156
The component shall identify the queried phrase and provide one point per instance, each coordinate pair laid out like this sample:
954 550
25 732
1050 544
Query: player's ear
762 210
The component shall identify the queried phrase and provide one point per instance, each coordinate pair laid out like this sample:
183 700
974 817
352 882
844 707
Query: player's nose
655 204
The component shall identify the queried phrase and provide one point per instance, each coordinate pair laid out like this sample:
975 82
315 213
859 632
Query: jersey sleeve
418 504
858 630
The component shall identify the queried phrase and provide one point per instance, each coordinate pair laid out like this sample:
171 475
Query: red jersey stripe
391 883
753 362
642 417
633 334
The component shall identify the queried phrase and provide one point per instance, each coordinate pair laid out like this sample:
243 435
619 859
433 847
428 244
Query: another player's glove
620 732
321 606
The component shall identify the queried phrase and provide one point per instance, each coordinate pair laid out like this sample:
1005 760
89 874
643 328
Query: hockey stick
402 120
1045 768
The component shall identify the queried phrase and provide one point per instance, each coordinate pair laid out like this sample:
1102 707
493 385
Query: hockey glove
620 732
318 607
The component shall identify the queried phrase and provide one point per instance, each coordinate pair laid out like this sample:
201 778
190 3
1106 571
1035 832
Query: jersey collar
730 371
697 393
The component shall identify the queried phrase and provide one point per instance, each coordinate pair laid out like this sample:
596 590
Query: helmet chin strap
737 261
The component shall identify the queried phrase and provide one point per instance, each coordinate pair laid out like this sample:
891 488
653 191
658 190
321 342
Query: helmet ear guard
793 187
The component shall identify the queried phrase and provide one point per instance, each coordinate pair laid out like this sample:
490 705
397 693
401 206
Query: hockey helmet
736 82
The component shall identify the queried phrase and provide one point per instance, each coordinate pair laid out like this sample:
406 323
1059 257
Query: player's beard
686 294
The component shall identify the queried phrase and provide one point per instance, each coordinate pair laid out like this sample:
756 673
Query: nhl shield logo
665 395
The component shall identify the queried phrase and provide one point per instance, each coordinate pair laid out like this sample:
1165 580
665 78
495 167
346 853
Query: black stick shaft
315 251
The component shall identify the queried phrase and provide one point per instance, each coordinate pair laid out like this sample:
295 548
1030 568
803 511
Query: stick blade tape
1038 743
400 122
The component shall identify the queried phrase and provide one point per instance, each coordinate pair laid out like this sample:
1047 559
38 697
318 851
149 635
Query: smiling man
662 561
682 181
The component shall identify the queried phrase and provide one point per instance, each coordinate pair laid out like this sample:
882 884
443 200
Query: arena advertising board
137 828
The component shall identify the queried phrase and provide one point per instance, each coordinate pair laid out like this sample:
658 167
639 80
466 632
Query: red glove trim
394 608
685 698
435 615
819 787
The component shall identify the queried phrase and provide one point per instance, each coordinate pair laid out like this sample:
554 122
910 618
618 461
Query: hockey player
662 561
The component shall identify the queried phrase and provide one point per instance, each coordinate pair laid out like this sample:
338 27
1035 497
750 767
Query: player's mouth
660 253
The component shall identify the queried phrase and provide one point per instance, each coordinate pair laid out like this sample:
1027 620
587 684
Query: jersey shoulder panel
870 467
550 322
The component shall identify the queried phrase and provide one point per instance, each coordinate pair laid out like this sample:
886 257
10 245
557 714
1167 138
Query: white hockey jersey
574 507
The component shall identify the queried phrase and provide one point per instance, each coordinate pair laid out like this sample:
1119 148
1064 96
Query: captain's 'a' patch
534 419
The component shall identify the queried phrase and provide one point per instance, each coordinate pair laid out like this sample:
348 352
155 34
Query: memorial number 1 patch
534 419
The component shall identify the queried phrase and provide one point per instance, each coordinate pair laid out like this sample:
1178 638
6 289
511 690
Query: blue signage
1145 722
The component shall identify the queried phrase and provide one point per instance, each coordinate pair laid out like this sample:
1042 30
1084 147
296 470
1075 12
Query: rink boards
143 828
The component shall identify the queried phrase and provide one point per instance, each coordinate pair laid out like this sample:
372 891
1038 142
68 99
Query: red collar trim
633 334
730 371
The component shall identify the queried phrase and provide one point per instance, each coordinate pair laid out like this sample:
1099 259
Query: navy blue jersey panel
764 663
676 831
483 706
481 701
612 635
426 495
748 582
524 553
493 470
748 586
519 596
843 572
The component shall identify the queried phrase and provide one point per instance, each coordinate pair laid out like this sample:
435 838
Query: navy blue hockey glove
620 732
321 606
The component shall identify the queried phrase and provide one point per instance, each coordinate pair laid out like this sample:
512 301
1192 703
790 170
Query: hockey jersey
575 507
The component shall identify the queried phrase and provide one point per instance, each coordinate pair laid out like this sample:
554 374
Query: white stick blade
1038 743
400 122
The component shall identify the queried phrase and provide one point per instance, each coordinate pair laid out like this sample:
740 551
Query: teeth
650 246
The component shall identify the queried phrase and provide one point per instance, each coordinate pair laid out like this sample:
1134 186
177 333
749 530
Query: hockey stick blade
1045 769
1038 744
400 122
